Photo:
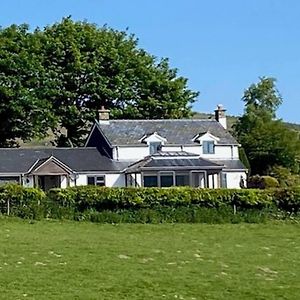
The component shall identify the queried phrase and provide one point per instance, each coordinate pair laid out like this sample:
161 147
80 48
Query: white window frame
208 147
159 146
96 179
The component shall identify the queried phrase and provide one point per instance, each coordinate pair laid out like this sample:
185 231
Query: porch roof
172 162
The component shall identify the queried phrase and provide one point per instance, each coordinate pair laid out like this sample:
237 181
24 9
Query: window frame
166 173
183 174
150 175
224 181
97 182
159 145
206 147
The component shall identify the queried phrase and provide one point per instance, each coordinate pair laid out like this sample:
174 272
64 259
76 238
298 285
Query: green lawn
69 260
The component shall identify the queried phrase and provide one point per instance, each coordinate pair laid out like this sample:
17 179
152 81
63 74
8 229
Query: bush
287 199
262 182
285 177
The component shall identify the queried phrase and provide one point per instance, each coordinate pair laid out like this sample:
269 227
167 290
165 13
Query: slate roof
231 164
183 161
176 131
20 160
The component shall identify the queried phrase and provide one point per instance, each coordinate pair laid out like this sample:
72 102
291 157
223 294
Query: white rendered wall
115 180
63 182
137 153
234 178
111 180
131 153
81 179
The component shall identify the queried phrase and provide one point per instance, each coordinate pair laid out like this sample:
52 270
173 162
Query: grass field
69 260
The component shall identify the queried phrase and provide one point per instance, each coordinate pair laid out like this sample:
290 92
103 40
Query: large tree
24 113
80 67
266 140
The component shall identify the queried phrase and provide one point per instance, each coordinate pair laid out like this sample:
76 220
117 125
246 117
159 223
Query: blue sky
220 46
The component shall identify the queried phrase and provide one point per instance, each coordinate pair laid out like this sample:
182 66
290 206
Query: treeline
151 205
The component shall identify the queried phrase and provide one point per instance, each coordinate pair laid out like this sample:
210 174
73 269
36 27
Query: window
96 180
182 179
154 147
224 180
166 180
9 179
208 147
150 181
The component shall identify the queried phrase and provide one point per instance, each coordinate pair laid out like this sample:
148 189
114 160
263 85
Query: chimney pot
104 115
220 115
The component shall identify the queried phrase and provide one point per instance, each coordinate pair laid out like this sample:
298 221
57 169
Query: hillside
233 119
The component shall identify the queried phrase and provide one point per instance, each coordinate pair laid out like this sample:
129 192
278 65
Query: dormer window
208 147
154 147
154 142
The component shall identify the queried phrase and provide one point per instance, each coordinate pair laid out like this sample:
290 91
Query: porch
49 173
175 169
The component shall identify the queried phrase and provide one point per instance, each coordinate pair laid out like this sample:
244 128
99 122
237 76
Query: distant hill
231 120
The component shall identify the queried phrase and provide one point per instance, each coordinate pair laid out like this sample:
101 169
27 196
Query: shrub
262 182
285 176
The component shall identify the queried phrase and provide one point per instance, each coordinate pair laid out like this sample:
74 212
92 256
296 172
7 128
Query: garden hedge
136 204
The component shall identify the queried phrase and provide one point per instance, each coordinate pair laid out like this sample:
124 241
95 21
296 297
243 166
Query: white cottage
163 153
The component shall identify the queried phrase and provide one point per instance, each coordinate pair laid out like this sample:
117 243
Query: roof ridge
161 120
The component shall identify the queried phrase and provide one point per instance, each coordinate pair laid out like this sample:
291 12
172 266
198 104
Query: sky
221 46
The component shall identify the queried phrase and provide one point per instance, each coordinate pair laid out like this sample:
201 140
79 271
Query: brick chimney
220 115
104 116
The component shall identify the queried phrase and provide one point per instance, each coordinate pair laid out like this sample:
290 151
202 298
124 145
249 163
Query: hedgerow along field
83 260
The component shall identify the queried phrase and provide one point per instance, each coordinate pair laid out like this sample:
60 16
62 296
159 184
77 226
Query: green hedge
149 205
102 198
18 201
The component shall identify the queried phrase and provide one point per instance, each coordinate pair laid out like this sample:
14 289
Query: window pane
150 181
154 147
208 147
100 181
224 180
9 179
91 180
182 180
166 180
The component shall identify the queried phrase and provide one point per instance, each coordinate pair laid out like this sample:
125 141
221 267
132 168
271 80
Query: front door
48 182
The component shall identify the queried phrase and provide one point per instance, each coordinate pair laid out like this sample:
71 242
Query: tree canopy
60 76
266 140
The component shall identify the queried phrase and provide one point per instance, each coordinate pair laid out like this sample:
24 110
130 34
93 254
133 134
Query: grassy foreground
71 260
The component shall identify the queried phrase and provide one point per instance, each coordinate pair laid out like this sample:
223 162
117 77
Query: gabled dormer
154 141
208 142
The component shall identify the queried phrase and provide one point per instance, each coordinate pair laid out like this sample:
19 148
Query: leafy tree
89 67
71 69
23 112
266 140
